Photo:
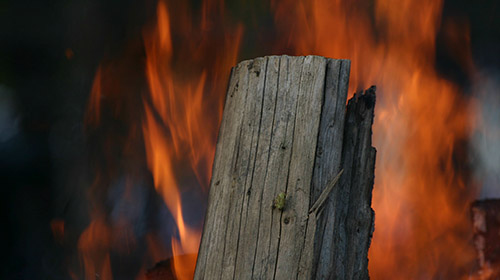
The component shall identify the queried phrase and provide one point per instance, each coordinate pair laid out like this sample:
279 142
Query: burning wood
284 137
486 223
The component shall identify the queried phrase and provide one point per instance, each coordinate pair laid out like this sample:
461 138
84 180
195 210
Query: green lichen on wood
280 201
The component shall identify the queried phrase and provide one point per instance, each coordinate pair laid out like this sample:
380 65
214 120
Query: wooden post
276 210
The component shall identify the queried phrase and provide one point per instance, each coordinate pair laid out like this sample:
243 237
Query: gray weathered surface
285 129
348 227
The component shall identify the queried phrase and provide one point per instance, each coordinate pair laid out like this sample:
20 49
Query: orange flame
421 203
94 249
179 120
57 227
177 126
93 115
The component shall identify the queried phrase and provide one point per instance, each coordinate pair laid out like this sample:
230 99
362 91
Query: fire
421 202
93 116
94 244
57 227
420 195
180 120
176 121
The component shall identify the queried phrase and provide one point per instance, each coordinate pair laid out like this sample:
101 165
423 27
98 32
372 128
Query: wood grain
285 129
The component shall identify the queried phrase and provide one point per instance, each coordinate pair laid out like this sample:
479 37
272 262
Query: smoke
486 137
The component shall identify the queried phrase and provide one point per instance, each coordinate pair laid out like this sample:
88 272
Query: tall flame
176 119
420 201
180 118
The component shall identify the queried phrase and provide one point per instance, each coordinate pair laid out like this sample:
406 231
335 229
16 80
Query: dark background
49 52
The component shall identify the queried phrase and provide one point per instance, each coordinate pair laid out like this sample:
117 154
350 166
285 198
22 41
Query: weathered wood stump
275 210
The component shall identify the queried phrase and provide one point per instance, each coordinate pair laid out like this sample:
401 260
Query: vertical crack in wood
266 258
327 166
272 95
249 222
234 183
245 168
306 128
291 144
261 132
